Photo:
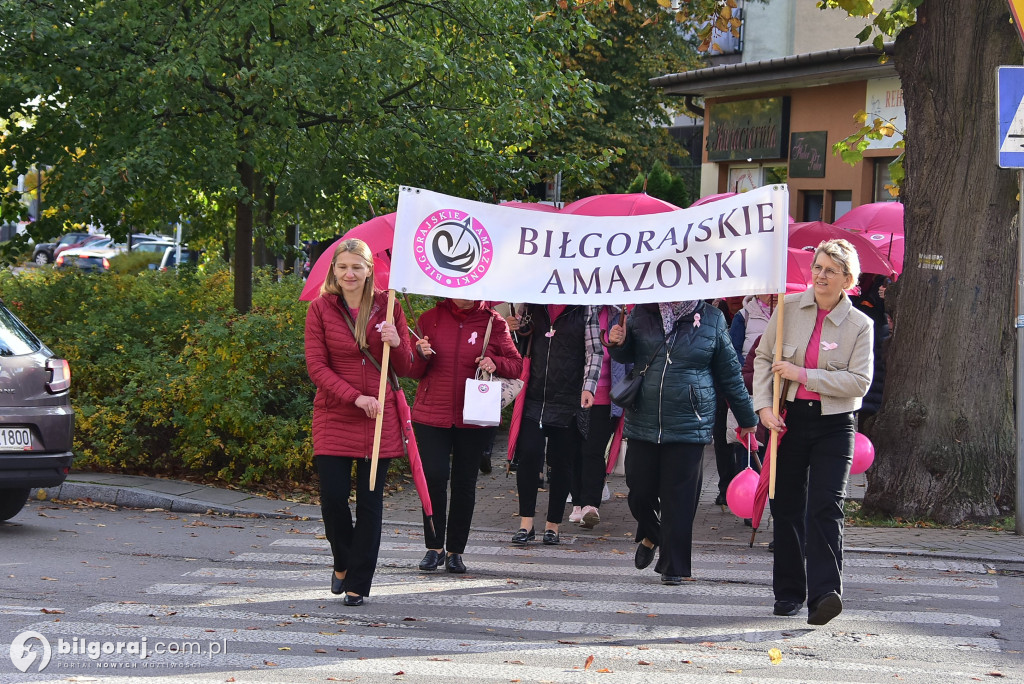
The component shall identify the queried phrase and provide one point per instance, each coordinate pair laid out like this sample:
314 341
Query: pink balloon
863 454
740 494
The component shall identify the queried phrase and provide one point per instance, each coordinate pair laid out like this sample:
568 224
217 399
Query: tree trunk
243 240
945 434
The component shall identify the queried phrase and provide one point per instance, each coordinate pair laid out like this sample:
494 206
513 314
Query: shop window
842 202
813 203
882 178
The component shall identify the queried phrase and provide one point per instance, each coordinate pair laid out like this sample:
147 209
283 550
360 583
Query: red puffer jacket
342 373
456 336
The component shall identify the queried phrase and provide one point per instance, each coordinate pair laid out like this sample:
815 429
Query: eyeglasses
830 272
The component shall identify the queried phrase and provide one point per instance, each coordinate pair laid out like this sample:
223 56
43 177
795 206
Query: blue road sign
1010 106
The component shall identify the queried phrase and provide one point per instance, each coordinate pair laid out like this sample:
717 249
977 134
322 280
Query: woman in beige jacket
827 361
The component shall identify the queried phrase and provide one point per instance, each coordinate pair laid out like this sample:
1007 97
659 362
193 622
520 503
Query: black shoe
551 538
824 609
720 499
432 560
337 585
485 464
787 607
453 563
351 600
513 466
643 556
671 580
523 537
749 522
771 546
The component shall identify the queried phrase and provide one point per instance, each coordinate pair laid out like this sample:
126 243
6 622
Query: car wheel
42 258
11 502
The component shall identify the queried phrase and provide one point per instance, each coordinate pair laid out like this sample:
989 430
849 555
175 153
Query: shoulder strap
487 335
347 315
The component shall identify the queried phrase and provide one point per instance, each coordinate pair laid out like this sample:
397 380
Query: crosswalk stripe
530 661
516 569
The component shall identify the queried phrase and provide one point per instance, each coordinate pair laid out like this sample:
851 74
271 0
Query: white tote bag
482 405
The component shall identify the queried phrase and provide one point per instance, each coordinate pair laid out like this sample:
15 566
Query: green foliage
632 42
134 262
663 184
167 378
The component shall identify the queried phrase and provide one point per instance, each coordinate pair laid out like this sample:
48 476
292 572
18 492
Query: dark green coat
677 399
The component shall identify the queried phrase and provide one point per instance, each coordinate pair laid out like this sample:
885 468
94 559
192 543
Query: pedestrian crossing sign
1010 108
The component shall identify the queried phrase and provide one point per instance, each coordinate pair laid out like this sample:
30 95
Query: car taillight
60 260
60 375
106 264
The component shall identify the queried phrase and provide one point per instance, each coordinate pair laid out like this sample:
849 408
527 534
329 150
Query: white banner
451 247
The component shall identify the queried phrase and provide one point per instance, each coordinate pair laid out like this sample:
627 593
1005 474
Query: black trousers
561 444
723 450
810 487
588 464
665 477
454 454
355 546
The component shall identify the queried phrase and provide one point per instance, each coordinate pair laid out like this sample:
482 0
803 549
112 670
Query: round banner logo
453 248
483 388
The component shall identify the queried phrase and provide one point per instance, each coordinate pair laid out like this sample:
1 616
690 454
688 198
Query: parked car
169 259
87 240
36 418
42 254
94 256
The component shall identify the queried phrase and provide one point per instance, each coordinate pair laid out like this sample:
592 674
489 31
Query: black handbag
626 391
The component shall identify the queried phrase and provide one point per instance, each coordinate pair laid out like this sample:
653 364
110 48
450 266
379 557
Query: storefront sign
807 152
748 129
885 102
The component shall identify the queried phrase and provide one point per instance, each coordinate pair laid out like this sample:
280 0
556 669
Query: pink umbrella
811 234
616 447
627 204
517 410
706 199
533 206
419 479
889 244
712 198
876 217
798 269
761 494
882 223
378 233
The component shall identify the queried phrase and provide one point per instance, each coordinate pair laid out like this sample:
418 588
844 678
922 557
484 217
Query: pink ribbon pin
379 326
550 333
696 320
828 346
472 338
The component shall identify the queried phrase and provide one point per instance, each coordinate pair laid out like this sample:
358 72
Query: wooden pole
385 358
773 439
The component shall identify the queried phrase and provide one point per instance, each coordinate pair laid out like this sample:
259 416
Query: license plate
15 439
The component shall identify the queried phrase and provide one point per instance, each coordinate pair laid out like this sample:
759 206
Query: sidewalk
496 511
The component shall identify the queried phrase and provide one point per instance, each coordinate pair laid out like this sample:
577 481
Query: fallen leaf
400 672
642 662
588 663
652 615
775 655
49 579
603 669
270 663
319 650
733 671
284 648
52 611
995 674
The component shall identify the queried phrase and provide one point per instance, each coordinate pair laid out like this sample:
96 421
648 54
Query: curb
131 497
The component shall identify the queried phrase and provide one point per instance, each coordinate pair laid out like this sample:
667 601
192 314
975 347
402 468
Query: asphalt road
248 598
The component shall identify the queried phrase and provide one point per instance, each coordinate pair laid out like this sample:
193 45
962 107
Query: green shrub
167 378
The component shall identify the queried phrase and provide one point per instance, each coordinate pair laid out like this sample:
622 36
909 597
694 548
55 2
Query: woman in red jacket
345 322
450 351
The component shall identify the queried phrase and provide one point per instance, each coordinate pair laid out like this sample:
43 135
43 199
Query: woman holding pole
825 352
346 330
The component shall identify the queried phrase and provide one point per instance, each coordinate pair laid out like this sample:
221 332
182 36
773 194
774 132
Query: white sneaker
576 515
590 517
